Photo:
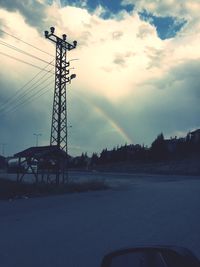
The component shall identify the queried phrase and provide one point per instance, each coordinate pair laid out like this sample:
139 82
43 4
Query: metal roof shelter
46 163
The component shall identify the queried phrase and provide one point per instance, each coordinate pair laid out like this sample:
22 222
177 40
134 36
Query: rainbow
110 120
113 124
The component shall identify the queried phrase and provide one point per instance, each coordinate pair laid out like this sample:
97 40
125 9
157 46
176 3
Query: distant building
2 162
172 143
195 136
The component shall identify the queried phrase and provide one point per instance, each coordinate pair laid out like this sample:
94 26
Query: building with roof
195 136
51 162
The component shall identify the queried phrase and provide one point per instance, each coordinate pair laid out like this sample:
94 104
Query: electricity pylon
59 114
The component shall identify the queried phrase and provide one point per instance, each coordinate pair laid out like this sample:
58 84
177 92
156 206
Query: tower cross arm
54 38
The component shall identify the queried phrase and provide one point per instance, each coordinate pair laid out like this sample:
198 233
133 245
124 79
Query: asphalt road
76 230
112 178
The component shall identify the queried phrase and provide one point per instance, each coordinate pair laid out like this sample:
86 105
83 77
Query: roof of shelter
41 152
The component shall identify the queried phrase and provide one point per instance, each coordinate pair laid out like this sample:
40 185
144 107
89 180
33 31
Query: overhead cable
17 38
23 61
22 90
22 51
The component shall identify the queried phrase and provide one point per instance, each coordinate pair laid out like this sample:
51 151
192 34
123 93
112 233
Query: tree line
160 149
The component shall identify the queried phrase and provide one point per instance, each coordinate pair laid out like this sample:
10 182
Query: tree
104 156
159 148
94 159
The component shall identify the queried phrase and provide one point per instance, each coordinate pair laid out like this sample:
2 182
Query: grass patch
12 189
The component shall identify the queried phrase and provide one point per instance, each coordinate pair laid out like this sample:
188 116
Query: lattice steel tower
59 114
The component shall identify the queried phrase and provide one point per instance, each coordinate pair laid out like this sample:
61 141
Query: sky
137 64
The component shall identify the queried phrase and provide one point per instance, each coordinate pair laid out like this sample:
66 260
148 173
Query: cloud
120 59
32 11
98 69
19 124
144 31
117 35
181 9
168 104
155 56
187 75
130 84
1 26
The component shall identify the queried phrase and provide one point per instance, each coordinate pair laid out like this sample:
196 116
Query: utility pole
37 136
59 114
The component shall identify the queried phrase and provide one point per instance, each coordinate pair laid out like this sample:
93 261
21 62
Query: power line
33 97
22 95
17 38
23 61
28 91
32 88
22 51
18 100
30 99
18 92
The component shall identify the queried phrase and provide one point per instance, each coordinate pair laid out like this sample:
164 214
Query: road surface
78 229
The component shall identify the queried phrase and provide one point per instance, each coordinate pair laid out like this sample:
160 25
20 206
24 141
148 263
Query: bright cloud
112 54
176 8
